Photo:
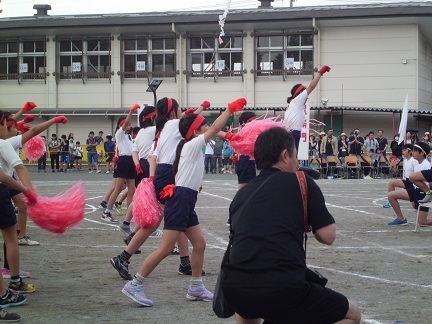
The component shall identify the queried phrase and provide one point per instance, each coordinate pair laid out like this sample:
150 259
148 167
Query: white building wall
367 68
424 73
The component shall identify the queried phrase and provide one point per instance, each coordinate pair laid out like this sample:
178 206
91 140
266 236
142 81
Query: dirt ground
387 271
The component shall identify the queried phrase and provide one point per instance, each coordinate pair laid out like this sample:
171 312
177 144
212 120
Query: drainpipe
181 88
317 54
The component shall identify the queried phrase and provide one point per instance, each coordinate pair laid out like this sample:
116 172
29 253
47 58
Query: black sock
124 257
132 234
16 279
126 223
184 261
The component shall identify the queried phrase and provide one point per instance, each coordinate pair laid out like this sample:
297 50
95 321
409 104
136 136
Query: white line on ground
217 196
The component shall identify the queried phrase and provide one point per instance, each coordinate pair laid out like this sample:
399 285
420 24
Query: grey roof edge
401 9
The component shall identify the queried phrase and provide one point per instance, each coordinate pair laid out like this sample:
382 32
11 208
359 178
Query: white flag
404 121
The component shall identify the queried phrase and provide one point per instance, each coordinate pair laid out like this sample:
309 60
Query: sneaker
367 177
11 300
108 218
187 270
9 317
107 172
22 287
175 250
103 205
98 171
426 199
122 268
23 274
156 234
199 294
387 205
118 208
25 240
91 171
53 171
125 227
397 221
136 293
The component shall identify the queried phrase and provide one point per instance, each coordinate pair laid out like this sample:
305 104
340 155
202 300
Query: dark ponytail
162 112
293 92
144 121
184 125
119 122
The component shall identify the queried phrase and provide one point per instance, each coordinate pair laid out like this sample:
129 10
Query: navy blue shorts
245 169
179 213
427 174
126 167
296 134
8 217
312 304
145 166
164 176
415 194
407 183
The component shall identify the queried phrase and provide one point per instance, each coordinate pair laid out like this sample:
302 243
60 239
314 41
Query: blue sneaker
397 221
387 205
136 293
199 294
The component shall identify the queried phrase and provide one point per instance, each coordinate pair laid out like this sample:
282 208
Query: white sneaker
91 171
107 172
25 240
156 234
367 177
98 171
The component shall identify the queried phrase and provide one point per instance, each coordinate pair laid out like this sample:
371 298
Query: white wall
425 73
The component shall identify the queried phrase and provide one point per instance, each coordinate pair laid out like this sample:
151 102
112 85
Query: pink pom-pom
146 210
34 148
244 141
58 213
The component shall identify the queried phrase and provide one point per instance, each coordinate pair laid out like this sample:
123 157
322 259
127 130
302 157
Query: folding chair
383 166
333 164
417 226
395 171
366 163
352 166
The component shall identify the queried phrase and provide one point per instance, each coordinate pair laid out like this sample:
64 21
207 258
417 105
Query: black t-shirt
355 148
268 237
329 147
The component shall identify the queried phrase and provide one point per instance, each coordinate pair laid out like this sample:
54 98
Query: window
146 57
207 57
84 59
22 60
290 54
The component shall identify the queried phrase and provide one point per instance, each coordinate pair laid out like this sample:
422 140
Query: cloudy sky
17 8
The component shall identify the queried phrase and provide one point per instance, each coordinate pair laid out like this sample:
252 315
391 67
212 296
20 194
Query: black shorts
146 171
164 176
227 160
245 169
415 194
109 157
179 213
126 167
14 192
407 183
312 304
427 174
8 217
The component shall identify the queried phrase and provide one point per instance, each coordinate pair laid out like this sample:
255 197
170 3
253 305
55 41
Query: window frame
82 55
218 49
21 56
149 52
283 49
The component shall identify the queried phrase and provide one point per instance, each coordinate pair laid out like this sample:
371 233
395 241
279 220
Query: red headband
150 115
2 117
195 125
10 123
297 92
250 119
122 122
169 107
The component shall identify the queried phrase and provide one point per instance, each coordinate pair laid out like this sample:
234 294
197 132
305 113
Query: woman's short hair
270 144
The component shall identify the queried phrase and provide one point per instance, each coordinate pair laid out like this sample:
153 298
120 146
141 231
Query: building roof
240 19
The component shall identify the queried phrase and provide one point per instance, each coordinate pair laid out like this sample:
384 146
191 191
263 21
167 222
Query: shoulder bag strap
240 211
304 193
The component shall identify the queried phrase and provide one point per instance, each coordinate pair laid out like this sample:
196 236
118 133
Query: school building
92 68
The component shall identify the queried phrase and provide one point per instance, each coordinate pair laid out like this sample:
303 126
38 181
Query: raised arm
197 111
28 106
314 83
129 116
33 131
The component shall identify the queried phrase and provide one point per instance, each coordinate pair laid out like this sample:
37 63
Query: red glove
167 192
31 197
29 105
20 126
200 189
205 104
237 105
60 119
324 69
189 111
29 119
115 159
229 136
138 169
135 107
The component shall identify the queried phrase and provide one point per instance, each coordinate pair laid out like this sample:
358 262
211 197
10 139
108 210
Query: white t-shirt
144 142
209 149
191 166
8 158
408 167
16 142
123 142
168 141
294 114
